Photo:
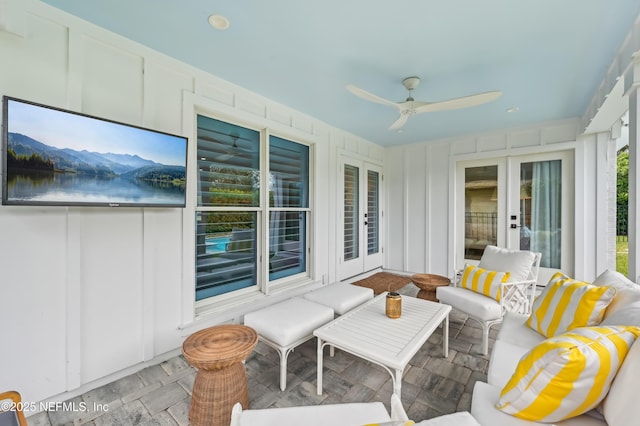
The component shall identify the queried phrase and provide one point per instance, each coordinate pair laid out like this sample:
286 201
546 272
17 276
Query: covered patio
105 297
160 394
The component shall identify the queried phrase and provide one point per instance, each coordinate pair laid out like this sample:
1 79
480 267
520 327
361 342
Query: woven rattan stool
221 381
428 283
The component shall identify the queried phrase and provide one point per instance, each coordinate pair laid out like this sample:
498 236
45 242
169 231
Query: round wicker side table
428 283
217 352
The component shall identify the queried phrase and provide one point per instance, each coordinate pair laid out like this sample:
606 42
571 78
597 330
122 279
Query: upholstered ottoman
288 324
341 297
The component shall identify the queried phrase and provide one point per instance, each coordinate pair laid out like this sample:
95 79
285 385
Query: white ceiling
546 56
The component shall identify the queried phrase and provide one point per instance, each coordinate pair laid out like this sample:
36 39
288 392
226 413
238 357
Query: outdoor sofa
615 315
516 339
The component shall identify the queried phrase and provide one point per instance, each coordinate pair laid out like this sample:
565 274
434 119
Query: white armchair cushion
566 304
483 281
517 262
469 302
620 407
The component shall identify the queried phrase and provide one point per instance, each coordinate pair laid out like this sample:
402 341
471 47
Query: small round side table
428 283
217 352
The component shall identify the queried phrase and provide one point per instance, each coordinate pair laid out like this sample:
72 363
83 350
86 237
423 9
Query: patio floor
432 385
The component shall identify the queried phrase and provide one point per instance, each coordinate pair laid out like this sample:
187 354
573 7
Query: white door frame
364 262
508 205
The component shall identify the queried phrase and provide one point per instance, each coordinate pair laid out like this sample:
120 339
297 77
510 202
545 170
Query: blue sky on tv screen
68 130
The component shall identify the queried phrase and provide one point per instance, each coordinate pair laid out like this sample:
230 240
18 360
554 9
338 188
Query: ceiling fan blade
370 96
457 103
400 121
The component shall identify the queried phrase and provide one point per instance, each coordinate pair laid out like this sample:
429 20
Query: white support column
632 83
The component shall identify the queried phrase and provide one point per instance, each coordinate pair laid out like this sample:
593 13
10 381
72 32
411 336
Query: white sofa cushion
484 411
504 359
341 297
567 375
471 303
565 304
621 407
514 330
517 262
287 322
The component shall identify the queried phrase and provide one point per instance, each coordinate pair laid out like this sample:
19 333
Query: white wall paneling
439 219
422 233
33 250
100 292
415 195
112 82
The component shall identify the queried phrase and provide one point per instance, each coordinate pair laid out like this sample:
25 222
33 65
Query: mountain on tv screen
57 157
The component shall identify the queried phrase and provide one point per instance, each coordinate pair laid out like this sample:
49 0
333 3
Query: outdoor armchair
503 281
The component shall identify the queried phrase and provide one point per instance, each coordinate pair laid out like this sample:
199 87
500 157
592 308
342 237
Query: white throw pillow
624 309
517 262
613 279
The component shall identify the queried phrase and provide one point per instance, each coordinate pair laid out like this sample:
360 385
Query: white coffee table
368 333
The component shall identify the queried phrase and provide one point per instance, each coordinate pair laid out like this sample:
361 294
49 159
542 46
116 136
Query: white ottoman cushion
286 322
341 297
470 302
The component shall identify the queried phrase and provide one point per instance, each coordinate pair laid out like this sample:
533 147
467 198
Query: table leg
445 337
397 383
319 366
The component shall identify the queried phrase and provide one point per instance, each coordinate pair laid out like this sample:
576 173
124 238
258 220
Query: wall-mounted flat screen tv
56 157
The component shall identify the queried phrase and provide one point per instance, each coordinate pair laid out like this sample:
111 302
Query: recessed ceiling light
513 109
219 22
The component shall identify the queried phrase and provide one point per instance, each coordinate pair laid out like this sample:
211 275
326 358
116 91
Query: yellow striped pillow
483 281
567 375
566 304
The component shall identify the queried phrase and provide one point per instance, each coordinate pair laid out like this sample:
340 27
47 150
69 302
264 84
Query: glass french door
520 202
360 188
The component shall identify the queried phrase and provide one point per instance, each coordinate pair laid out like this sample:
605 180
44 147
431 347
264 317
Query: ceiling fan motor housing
411 82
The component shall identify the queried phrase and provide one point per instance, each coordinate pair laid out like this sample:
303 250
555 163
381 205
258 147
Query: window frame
263 286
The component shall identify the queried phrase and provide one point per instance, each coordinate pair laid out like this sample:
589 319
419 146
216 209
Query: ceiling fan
411 107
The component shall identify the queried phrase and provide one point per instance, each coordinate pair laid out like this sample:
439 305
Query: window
239 220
